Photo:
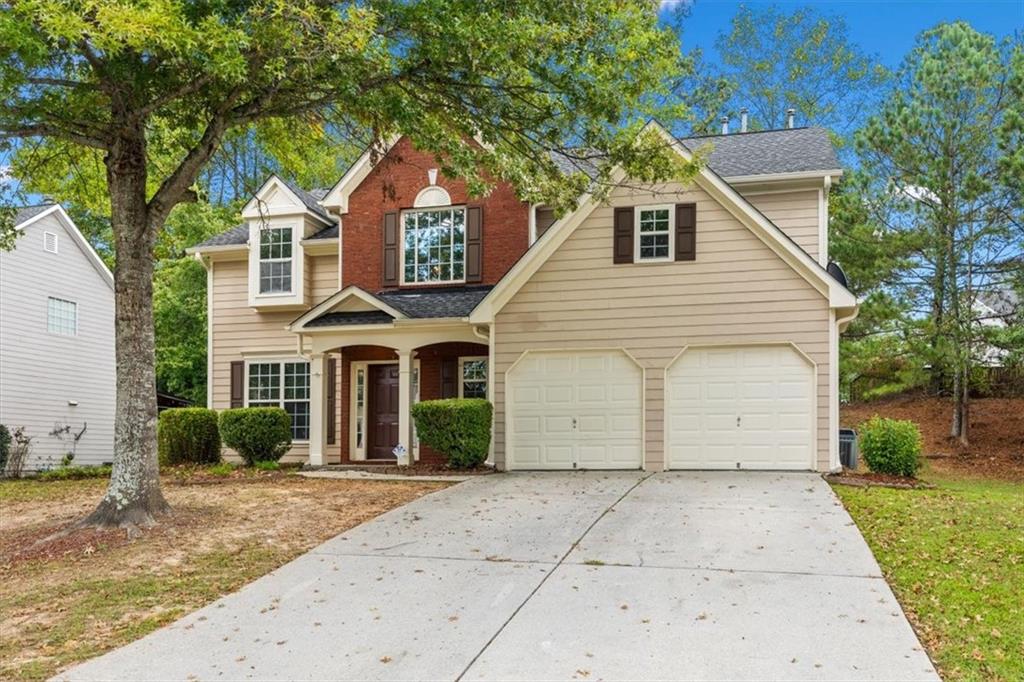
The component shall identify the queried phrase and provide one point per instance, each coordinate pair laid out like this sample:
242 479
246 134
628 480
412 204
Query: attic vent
50 242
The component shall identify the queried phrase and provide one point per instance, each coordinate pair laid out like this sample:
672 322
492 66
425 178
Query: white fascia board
333 300
783 177
337 197
217 248
77 236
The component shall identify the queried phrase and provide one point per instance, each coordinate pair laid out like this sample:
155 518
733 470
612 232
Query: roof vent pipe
790 113
743 120
725 125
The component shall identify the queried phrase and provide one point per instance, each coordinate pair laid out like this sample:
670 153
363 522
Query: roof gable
718 189
279 197
29 216
337 196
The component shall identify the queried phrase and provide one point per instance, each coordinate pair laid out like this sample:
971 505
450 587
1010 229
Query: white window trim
260 260
671 233
56 241
63 300
280 362
358 454
401 245
470 358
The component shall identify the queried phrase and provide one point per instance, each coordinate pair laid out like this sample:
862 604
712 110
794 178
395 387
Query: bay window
434 246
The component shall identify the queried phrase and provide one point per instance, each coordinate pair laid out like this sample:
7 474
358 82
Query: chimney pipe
743 120
790 113
725 125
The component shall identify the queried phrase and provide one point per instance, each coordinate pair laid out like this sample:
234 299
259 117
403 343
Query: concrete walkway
562 576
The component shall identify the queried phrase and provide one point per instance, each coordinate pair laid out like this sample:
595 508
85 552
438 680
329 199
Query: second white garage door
575 410
749 407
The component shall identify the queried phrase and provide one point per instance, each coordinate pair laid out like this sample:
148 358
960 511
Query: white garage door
740 407
574 410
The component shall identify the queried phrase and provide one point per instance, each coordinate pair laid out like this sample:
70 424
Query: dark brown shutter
623 239
332 399
474 243
686 231
449 387
544 219
390 267
238 383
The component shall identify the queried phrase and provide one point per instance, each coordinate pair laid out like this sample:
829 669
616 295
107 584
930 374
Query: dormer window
275 260
434 245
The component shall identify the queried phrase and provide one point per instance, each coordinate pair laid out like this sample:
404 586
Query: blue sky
883 27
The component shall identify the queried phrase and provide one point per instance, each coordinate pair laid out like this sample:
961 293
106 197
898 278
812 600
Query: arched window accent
432 196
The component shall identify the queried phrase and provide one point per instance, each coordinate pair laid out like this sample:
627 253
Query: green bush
458 428
188 435
891 446
5 446
257 434
67 473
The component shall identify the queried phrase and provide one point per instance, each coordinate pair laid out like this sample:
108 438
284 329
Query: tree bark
133 498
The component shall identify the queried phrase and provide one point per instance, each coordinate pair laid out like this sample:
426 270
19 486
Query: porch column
405 400
317 411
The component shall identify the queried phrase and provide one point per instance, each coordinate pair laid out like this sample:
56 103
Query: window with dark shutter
332 399
622 248
474 244
238 383
449 384
389 270
686 231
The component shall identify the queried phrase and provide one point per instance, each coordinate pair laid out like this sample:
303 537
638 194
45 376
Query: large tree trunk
133 498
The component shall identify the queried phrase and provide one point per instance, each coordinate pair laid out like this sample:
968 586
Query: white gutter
775 177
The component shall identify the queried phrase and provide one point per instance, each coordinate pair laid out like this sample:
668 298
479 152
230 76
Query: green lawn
955 558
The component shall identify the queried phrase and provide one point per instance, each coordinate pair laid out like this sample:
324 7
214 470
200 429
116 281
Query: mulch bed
411 470
869 479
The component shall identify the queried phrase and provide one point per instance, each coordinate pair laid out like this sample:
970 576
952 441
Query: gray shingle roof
359 317
791 150
310 199
436 302
28 212
239 234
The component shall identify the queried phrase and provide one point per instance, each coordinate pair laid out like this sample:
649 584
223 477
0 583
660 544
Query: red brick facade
430 358
392 186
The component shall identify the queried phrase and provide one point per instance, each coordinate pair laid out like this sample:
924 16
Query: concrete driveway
562 576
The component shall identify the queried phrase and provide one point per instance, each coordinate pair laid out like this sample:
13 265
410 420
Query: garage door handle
574 423
737 421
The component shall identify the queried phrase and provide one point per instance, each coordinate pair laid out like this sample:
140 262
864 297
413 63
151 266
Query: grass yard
68 599
954 556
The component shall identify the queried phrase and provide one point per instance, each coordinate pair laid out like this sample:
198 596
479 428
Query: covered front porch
370 361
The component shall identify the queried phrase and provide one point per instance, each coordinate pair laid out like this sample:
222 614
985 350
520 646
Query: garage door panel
769 388
590 409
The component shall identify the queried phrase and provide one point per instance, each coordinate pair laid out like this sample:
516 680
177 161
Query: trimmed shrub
67 473
5 446
257 434
891 446
458 428
188 435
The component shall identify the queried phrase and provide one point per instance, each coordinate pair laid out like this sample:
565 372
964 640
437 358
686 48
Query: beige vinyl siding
796 213
737 291
240 332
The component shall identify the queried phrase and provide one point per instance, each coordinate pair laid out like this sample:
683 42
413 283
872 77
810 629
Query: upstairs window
276 260
62 317
654 233
434 244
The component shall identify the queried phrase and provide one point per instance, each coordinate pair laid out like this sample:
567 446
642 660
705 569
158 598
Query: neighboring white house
57 340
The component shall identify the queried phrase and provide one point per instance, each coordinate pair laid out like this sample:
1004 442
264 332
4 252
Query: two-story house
659 327
57 377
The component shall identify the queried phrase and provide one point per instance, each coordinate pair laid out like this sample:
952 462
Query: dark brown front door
383 413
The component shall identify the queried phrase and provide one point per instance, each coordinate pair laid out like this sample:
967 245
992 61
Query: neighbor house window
276 260
62 317
282 384
654 233
474 377
434 245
